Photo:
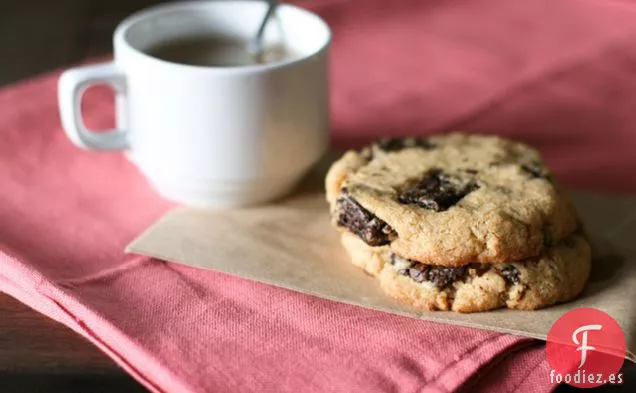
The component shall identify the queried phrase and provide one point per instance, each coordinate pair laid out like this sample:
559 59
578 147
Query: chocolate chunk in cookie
440 276
547 239
443 276
511 274
397 144
436 191
535 170
363 223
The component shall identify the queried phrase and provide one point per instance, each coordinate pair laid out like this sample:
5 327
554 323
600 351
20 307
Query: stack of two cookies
459 222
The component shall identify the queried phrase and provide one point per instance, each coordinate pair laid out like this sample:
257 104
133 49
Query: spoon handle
257 42
270 11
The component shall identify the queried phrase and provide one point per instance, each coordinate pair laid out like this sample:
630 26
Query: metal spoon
255 46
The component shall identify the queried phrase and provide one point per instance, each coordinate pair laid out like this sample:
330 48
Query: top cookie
450 199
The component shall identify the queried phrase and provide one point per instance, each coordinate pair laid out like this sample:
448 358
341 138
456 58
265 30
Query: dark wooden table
38 354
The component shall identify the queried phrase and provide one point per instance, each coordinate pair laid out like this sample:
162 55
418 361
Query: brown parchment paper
290 244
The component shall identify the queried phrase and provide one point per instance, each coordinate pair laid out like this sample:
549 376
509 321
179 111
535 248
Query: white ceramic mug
211 136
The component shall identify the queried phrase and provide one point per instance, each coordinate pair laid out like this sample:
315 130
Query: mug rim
121 43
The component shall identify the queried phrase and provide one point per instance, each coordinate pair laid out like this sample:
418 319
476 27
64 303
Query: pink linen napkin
560 75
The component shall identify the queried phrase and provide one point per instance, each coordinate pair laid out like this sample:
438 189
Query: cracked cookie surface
557 275
450 199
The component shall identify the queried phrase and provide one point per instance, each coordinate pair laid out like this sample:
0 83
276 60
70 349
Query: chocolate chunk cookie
450 199
557 275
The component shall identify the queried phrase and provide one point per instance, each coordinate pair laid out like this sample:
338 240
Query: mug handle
71 86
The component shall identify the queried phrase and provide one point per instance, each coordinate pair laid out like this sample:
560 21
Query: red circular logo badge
586 348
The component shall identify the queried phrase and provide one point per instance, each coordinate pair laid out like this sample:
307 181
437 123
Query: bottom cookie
558 275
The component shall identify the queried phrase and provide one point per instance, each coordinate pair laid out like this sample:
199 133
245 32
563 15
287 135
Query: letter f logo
584 347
